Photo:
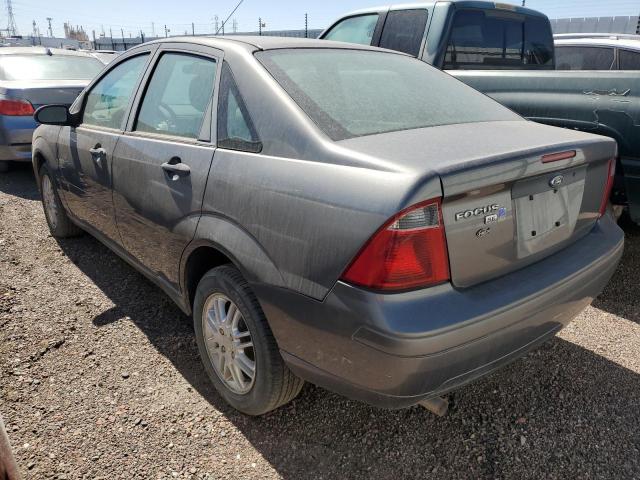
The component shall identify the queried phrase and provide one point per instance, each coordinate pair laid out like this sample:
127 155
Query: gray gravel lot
100 378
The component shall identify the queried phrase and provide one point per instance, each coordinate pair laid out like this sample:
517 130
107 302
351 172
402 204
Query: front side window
584 58
494 39
235 128
358 29
403 31
178 95
629 60
108 100
48 67
351 93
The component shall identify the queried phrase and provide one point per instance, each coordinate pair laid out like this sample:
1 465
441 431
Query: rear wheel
237 347
59 222
4 166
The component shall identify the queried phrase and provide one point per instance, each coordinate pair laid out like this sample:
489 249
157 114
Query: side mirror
54 115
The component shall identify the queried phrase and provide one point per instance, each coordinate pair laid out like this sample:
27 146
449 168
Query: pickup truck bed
605 103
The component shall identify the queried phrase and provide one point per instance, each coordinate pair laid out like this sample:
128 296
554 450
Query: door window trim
150 52
207 132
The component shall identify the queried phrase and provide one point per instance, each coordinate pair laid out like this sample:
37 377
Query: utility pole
216 24
524 3
166 31
153 29
50 29
122 32
95 43
235 26
193 29
223 28
306 25
11 21
260 26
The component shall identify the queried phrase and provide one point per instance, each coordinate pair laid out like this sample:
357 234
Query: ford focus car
332 213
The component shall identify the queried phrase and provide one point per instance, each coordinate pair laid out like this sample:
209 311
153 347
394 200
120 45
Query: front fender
44 146
238 245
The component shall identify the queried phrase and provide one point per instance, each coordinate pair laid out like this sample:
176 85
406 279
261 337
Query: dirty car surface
390 244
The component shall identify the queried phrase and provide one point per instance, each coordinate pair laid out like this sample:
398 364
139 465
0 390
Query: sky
149 15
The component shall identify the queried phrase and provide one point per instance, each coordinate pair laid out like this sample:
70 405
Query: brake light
16 108
409 251
556 157
611 170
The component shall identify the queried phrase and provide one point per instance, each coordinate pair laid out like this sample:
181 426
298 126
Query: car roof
460 3
41 51
613 42
253 43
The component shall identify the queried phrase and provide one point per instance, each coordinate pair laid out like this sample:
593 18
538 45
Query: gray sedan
332 213
29 78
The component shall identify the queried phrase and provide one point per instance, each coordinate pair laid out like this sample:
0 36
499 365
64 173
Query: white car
597 51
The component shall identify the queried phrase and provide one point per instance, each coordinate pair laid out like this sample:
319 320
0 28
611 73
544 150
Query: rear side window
584 58
629 60
177 96
108 100
495 39
403 31
352 93
235 128
358 29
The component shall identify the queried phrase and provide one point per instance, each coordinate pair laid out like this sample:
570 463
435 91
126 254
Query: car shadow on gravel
20 182
622 295
561 412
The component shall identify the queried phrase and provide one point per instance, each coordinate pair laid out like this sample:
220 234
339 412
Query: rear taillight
611 171
16 108
409 251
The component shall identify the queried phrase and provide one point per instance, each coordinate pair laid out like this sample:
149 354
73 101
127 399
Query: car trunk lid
505 204
43 92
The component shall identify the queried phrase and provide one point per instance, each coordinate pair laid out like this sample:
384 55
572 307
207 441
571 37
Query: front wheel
60 225
237 347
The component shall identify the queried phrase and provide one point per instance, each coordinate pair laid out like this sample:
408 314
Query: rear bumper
395 350
15 138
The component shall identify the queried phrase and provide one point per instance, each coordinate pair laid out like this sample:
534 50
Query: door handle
98 153
176 169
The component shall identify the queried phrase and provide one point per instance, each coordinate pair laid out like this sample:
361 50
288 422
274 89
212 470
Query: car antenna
232 12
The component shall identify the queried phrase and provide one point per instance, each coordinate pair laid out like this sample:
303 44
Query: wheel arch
219 241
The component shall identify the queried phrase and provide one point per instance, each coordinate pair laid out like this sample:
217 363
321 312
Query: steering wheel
168 112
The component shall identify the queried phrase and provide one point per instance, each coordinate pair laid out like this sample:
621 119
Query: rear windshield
496 39
351 93
46 67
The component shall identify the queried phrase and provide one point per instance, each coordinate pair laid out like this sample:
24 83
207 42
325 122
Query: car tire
224 293
4 166
60 225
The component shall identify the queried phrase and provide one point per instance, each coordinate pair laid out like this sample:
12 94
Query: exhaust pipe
436 405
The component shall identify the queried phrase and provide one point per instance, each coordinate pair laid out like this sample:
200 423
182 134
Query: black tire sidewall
220 280
44 172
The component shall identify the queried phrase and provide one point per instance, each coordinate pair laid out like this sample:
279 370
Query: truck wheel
59 222
4 166
237 347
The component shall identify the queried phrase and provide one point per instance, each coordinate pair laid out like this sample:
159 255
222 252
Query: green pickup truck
507 52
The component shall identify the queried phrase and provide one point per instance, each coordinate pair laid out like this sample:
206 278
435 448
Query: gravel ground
101 379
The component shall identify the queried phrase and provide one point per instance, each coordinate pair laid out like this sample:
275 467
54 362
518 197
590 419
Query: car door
162 161
86 151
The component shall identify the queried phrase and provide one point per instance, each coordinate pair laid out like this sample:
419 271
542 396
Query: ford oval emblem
556 181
